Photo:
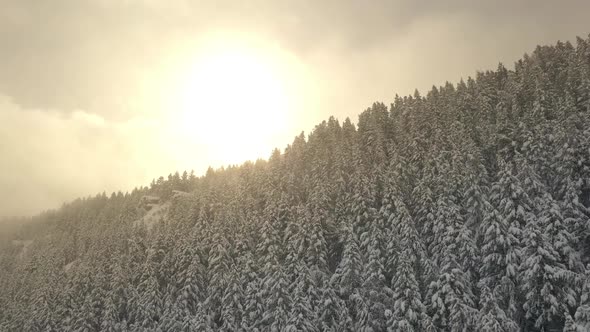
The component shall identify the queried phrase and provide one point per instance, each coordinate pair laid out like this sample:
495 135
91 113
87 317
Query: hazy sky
101 95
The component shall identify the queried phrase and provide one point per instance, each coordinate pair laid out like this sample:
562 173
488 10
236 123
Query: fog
79 80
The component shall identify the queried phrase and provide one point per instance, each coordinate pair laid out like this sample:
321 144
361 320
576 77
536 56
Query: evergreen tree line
463 210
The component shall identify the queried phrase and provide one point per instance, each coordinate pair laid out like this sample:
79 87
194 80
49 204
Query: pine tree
277 301
377 295
302 316
254 306
147 306
332 312
409 312
232 303
348 277
491 317
360 313
219 267
405 235
583 312
500 258
542 277
569 326
450 299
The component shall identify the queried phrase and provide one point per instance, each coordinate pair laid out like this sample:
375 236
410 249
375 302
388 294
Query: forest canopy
464 209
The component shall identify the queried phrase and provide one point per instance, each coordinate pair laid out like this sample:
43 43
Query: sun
236 99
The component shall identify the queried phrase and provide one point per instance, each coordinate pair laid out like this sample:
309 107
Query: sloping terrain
466 209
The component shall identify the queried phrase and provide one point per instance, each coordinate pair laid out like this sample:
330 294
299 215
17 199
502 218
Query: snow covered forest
464 209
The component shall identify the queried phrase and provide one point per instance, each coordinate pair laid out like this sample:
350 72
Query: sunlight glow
235 99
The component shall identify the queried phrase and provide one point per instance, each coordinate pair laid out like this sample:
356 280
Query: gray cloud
49 157
69 54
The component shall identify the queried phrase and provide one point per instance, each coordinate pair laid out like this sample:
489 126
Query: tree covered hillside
466 209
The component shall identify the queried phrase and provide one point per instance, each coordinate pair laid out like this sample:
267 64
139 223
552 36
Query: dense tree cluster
464 210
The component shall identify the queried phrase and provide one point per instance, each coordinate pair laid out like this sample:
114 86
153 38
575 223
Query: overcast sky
74 119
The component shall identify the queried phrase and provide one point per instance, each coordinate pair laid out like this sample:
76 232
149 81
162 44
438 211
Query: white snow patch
154 214
25 243
69 266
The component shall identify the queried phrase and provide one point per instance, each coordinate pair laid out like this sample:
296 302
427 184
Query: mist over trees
467 209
